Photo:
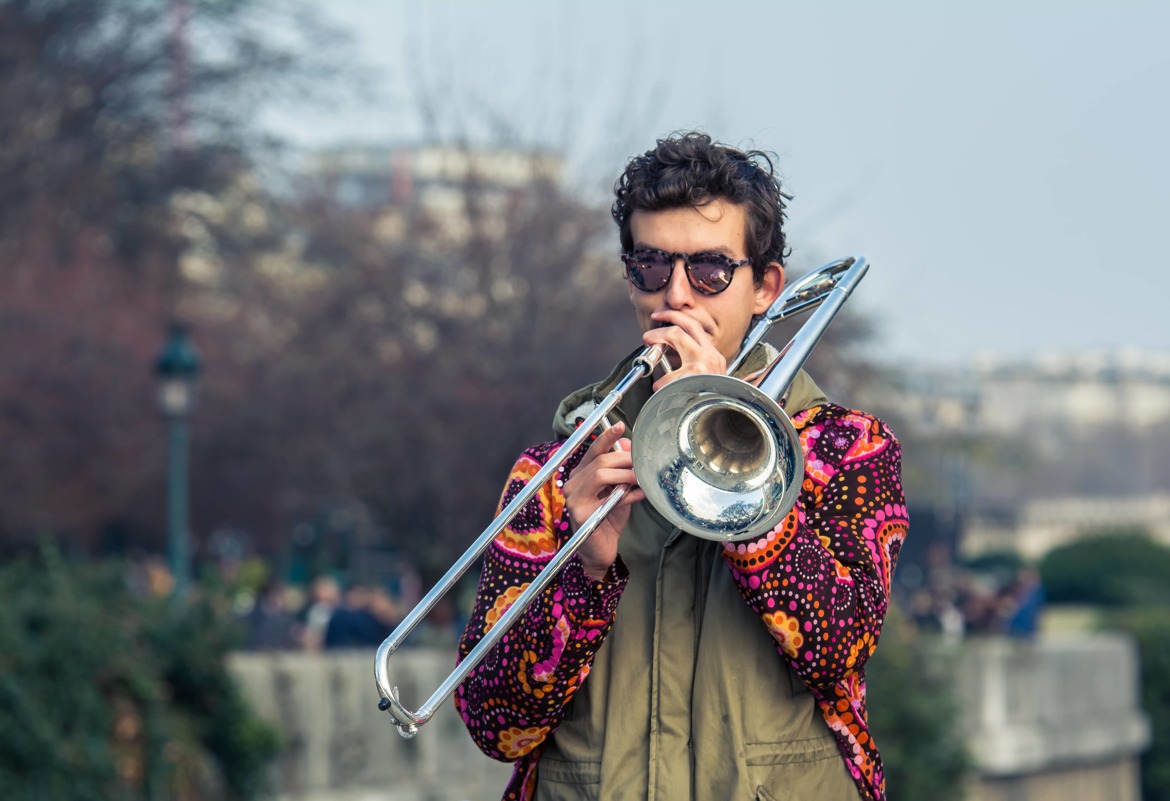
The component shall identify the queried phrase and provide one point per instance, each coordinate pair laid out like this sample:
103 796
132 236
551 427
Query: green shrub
1125 568
1150 626
914 715
104 695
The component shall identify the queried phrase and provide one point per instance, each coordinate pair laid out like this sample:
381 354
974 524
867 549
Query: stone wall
1055 719
340 747
1059 718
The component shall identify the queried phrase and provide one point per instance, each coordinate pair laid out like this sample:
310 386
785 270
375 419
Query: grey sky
1002 165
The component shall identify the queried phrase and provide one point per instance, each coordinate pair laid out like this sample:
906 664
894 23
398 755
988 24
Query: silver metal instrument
716 456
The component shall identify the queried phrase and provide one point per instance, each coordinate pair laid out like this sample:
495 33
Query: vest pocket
557 778
804 770
789 753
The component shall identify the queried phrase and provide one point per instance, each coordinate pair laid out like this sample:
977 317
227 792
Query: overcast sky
1003 166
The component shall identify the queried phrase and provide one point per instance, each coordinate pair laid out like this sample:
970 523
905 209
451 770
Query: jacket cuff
589 602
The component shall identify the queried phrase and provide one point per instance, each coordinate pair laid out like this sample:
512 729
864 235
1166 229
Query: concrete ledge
1056 702
340 747
1057 718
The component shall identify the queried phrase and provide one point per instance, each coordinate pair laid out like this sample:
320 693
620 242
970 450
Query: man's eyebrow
721 249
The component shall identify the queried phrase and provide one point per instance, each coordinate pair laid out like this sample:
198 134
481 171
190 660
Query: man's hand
690 348
600 470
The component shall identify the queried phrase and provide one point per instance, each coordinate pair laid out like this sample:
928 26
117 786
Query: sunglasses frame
631 258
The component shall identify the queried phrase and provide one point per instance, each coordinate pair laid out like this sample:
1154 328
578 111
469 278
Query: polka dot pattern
819 582
821 579
517 695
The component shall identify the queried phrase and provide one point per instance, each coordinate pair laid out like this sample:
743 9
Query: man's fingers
679 319
606 478
696 350
633 496
603 444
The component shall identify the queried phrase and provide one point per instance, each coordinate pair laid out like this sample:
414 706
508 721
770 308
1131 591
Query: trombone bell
717 457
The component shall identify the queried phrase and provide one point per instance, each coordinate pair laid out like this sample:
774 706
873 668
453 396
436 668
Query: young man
662 666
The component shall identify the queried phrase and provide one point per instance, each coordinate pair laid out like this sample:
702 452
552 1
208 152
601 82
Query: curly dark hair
689 169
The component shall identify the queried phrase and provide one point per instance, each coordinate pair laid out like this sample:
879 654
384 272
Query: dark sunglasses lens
650 273
711 277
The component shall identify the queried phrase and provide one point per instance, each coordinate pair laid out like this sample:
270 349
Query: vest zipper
700 604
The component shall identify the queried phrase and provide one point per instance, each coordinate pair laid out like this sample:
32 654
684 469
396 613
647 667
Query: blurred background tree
380 356
915 714
108 113
374 355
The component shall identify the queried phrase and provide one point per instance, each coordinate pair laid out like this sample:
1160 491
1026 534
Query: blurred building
1032 453
432 175
1045 397
461 191
1037 526
1056 395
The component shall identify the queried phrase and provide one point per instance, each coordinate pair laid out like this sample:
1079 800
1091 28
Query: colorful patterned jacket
819 584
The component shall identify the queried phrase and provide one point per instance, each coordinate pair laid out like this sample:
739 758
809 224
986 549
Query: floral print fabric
819 582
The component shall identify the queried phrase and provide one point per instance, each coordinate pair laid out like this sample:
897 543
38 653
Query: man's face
717 227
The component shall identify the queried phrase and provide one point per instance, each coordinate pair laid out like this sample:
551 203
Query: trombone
716 456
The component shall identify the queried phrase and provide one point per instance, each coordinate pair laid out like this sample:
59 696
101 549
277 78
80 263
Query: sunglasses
649 269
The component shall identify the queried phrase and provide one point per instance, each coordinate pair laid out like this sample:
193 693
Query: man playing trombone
663 666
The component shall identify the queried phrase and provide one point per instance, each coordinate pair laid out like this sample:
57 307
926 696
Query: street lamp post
177 367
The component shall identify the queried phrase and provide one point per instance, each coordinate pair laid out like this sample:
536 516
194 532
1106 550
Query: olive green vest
688 698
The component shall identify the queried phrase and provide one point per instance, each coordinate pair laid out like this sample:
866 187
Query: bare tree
393 355
107 112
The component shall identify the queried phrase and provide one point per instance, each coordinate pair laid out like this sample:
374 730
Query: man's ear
769 288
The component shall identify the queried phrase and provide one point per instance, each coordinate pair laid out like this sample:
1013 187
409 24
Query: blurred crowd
327 616
323 615
944 598
957 601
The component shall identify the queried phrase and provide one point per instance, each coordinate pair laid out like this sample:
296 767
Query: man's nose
679 294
